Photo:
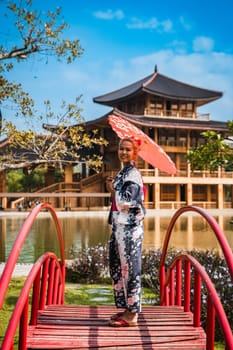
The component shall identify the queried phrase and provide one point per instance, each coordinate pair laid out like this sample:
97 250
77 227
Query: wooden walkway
86 327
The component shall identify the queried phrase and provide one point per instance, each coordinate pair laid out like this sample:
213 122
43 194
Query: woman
127 233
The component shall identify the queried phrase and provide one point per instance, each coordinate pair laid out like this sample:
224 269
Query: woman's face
126 152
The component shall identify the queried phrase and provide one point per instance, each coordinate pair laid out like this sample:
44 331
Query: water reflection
82 230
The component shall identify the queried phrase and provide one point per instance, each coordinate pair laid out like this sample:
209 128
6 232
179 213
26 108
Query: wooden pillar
177 161
208 194
3 238
69 173
147 105
188 140
84 170
189 194
49 176
189 234
188 169
232 196
157 196
3 188
156 136
146 194
220 196
178 195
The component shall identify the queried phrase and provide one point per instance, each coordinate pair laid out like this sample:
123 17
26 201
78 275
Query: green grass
96 294
219 346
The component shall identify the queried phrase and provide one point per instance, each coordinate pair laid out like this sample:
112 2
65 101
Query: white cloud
138 23
166 25
109 14
184 23
152 23
203 44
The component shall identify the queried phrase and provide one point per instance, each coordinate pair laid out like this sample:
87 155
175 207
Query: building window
167 137
168 192
199 193
156 107
186 110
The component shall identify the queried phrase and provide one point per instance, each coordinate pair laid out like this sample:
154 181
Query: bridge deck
86 327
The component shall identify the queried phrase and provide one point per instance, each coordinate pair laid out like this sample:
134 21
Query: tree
214 153
34 33
62 143
68 141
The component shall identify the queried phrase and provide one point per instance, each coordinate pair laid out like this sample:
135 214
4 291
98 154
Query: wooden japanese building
167 110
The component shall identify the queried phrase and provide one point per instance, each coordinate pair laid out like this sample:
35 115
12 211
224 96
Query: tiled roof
162 86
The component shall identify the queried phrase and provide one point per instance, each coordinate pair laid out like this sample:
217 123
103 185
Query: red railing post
35 299
172 288
187 285
197 300
23 327
50 283
178 282
55 288
162 284
210 325
44 283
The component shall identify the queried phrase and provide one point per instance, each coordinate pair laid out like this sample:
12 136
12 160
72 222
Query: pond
89 229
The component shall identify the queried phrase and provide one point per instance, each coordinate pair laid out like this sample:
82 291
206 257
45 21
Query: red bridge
44 321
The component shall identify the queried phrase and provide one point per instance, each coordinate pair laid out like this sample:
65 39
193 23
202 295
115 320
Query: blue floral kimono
125 247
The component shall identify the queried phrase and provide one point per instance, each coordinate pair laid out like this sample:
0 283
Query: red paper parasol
149 150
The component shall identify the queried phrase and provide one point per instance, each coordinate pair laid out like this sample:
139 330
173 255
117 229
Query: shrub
90 265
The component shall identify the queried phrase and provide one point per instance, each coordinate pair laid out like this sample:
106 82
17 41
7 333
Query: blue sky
189 41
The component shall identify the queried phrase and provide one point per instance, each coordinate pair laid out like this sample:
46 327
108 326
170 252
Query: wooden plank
86 327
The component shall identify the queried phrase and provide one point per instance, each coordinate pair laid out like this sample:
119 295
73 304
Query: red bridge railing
45 282
44 285
176 286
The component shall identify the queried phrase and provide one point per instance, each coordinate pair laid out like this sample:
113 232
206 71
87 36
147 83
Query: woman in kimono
125 248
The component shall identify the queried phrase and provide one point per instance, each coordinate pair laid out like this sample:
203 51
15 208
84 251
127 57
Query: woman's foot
130 316
116 316
126 319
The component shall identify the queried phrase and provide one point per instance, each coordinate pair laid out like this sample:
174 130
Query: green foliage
33 32
214 153
230 126
15 180
18 181
34 180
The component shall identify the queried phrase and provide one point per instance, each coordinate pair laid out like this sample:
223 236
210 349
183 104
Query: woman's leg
131 266
115 270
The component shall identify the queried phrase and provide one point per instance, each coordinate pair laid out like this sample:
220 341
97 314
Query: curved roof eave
183 98
121 94
160 85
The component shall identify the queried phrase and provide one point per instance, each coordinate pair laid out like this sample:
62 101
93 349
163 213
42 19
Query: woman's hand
109 185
